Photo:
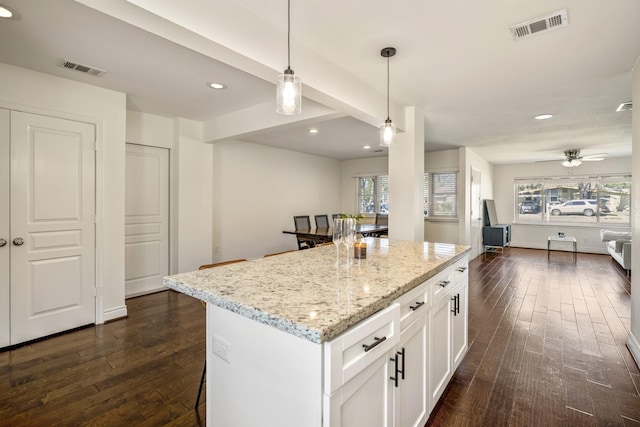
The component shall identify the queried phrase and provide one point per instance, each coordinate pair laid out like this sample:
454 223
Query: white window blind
443 194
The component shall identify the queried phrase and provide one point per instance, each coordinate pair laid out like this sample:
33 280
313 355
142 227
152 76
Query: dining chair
382 219
322 221
204 305
303 222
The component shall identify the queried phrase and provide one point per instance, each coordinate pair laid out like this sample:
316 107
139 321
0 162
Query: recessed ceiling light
543 116
367 147
7 13
313 130
217 86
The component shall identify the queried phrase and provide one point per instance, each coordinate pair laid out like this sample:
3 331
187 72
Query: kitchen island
293 340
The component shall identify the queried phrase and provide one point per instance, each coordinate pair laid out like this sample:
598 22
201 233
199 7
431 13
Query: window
440 192
443 194
582 200
373 194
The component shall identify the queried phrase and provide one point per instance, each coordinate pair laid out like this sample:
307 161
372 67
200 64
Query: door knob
3 243
18 241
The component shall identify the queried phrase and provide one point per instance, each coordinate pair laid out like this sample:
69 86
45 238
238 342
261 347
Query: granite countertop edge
302 331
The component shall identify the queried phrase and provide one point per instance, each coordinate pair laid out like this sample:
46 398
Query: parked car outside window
586 207
529 207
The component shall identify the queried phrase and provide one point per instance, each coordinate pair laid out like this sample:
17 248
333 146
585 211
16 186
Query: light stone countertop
305 294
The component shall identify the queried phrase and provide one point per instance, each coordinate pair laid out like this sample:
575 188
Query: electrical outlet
222 348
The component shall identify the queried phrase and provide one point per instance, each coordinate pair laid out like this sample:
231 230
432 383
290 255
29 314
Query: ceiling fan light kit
388 128
573 158
289 86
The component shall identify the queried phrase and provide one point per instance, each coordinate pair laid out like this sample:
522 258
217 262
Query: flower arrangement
357 217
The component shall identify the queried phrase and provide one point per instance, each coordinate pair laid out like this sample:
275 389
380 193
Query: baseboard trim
115 313
634 348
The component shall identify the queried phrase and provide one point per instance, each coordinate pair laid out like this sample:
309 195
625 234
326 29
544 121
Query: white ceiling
456 61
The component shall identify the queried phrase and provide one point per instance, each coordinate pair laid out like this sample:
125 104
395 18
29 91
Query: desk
321 235
571 240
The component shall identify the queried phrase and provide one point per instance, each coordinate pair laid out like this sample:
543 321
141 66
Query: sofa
619 246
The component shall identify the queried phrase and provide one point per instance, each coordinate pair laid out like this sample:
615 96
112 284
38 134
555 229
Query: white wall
470 159
258 189
26 90
533 235
194 196
190 188
634 335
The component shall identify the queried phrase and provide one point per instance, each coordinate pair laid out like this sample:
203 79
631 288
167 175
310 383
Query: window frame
429 195
380 195
546 184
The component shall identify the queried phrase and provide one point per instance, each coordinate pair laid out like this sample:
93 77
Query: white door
476 214
5 294
146 219
52 237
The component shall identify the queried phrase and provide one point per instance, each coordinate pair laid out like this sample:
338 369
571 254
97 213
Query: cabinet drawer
355 349
413 304
440 285
460 270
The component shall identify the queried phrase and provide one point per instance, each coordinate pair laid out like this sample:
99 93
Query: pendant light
388 128
289 90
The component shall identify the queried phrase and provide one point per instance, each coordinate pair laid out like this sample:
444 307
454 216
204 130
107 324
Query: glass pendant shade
387 133
289 93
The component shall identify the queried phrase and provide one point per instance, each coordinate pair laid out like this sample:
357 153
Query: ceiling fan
573 158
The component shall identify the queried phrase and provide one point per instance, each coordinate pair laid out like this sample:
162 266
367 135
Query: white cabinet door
411 398
146 219
440 348
459 328
5 163
366 400
52 225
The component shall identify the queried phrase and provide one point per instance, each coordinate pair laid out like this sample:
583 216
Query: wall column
406 177
634 334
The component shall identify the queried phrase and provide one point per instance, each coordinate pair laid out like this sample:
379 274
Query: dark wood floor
547 348
547 345
139 371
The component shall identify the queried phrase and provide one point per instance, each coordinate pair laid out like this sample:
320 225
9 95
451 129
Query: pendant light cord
288 34
387 88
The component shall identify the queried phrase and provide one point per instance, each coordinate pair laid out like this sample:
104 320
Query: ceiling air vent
625 106
92 71
540 25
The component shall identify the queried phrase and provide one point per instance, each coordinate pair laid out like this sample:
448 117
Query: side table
565 239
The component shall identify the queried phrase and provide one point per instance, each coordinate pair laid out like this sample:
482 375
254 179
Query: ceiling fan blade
594 157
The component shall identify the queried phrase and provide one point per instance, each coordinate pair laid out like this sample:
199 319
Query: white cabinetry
386 371
448 340
410 363
357 386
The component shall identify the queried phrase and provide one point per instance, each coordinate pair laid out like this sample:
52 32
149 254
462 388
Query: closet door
5 304
52 225
146 219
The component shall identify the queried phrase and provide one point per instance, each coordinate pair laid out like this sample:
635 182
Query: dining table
321 235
